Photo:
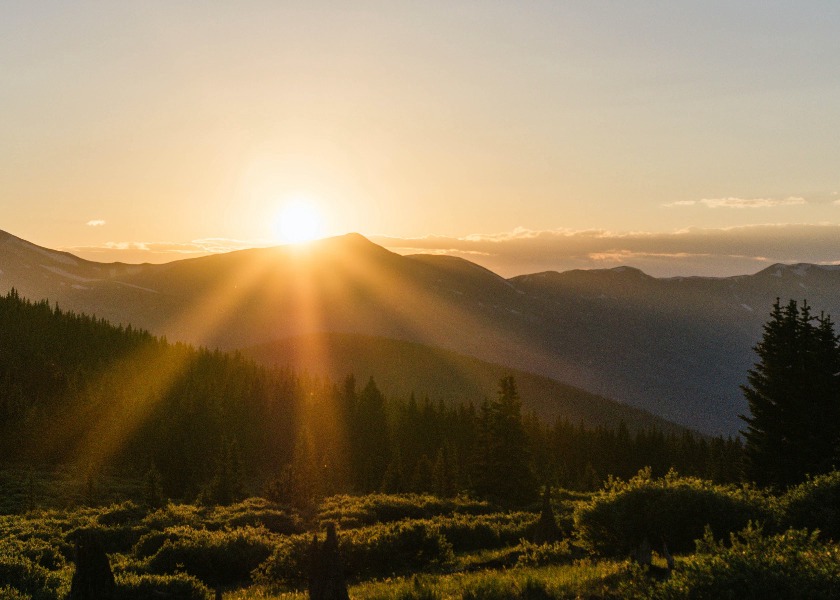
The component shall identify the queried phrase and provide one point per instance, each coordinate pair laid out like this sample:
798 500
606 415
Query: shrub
480 532
377 551
793 564
127 513
215 557
672 509
356 511
815 504
132 586
539 555
255 512
28 578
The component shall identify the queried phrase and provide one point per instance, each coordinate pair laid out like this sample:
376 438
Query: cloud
685 252
159 252
740 202
705 252
95 223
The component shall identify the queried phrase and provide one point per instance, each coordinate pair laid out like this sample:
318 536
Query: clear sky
672 135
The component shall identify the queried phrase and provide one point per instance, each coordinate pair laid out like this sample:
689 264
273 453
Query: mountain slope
401 368
676 347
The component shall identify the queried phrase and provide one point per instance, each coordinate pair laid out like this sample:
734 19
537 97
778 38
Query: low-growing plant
815 504
357 511
671 509
255 512
132 586
26 577
215 557
479 532
793 564
538 555
376 551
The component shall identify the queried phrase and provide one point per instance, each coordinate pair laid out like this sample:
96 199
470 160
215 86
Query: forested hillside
77 390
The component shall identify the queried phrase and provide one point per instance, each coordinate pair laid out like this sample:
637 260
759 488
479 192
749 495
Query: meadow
728 541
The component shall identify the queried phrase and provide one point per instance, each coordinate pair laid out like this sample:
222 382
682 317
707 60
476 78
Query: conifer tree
793 394
504 469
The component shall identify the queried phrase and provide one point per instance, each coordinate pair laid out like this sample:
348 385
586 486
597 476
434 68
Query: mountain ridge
677 347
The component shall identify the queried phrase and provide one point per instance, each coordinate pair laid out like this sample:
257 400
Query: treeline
200 423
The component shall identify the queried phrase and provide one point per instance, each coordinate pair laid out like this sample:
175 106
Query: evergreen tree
793 395
505 472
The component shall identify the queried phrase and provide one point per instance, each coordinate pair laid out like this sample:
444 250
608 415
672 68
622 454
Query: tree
503 465
793 393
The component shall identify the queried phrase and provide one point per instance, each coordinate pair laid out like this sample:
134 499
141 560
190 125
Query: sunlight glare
298 221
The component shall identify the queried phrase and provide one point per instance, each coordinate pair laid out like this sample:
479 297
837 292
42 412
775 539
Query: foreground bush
214 557
674 509
815 504
754 567
482 532
172 587
28 579
377 551
357 511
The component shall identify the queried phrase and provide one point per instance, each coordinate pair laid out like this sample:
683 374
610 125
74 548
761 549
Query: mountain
401 368
677 347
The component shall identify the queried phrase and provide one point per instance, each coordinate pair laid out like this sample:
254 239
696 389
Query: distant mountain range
677 347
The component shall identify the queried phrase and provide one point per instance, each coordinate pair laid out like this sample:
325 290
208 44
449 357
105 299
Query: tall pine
793 394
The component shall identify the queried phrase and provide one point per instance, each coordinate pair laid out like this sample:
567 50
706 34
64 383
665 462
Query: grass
584 579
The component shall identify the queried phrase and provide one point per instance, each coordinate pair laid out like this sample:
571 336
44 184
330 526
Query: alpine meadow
419 301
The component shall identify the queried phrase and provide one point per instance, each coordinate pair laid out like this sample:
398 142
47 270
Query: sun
297 221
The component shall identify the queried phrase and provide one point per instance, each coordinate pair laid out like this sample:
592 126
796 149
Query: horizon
378 241
676 139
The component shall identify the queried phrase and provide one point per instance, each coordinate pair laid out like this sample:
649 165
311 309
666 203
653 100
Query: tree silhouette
793 393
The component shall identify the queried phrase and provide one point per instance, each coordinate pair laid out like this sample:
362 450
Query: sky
684 138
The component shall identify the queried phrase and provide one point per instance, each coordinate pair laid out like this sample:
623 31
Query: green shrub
215 557
28 578
539 555
355 511
377 551
173 587
793 564
173 515
10 593
815 504
481 532
672 509
255 512
119 538
36 550
127 513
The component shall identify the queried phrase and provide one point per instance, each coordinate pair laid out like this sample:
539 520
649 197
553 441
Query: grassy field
730 541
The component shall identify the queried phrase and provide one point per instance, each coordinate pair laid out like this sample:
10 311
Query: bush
255 512
540 555
26 577
215 557
357 511
173 587
815 504
481 532
377 551
672 509
793 564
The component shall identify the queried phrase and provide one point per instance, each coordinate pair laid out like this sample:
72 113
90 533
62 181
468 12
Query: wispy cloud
158 252
695 251
709 252
95 223
740 202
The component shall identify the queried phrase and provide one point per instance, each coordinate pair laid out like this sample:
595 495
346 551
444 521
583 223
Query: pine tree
503 459
793 395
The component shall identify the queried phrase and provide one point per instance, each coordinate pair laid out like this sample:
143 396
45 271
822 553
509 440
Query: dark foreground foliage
751 566
671 509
